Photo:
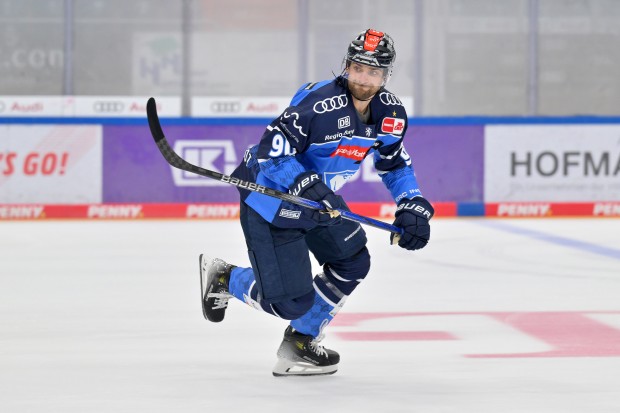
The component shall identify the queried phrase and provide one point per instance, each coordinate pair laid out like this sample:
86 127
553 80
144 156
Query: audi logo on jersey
330 104
389 99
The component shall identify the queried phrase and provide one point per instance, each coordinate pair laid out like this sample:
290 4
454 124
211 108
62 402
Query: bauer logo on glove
309 185
413 215
304 182
412 206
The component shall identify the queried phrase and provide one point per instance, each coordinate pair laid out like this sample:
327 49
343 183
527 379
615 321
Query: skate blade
206 278
203 282
285 368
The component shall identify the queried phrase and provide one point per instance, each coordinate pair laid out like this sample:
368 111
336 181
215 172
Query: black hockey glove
310 186
413 215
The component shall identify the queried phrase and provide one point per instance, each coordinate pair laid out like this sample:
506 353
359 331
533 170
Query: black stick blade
151 113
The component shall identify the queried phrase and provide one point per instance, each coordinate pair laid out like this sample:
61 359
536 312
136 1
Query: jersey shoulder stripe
388 139
306 90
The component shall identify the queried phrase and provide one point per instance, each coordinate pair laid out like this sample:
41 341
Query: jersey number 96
280 147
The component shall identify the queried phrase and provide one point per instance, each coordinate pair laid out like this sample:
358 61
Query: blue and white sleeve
283 138
396 170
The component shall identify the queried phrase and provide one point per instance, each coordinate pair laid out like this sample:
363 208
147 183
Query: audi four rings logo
225 107
389 99
108 106
330 104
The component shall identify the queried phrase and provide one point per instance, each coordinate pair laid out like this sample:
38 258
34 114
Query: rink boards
369 209
110 168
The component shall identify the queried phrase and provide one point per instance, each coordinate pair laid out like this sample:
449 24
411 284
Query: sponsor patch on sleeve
395 126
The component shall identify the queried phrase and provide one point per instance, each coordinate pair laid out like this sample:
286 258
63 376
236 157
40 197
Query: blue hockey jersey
322 132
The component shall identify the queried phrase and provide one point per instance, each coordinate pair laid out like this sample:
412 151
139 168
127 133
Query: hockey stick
178 162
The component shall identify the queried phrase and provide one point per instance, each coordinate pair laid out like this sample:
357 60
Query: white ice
105 317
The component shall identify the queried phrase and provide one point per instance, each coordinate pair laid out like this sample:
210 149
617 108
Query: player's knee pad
294 308
347 273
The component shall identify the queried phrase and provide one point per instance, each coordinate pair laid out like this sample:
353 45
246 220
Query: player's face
364 81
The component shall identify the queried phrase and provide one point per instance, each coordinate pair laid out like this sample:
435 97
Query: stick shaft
175 160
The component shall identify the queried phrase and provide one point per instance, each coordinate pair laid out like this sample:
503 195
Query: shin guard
332 288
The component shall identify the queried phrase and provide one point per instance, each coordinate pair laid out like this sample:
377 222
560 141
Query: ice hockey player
311 150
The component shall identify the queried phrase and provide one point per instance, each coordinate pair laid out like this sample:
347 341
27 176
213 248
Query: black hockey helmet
372 48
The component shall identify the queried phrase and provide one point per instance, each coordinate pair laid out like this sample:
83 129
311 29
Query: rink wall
103 168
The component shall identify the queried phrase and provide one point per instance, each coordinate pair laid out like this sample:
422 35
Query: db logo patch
344 122
394 126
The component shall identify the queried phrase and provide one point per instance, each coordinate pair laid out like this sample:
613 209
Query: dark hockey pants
281 261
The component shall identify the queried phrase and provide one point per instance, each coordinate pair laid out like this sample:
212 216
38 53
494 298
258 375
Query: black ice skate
214 278
301 355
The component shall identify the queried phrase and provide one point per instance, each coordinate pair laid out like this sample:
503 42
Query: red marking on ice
568 334
395 335
352 319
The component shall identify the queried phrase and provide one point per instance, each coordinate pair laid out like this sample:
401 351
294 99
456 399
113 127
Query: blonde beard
361 94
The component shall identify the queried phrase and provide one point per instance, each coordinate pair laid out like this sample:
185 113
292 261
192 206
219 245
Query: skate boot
301 355
214 278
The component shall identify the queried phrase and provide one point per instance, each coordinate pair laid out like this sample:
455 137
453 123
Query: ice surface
493 316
